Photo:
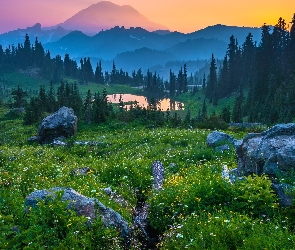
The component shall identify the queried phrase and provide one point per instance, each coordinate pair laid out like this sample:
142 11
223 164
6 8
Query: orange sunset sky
181 15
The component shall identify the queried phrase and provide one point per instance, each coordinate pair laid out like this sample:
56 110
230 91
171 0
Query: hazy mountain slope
223 32
44 36
143 58
198 49
105 15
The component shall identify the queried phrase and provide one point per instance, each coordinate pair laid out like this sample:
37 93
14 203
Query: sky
178 15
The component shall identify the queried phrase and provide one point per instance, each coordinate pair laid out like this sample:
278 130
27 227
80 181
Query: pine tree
38 54
99 78
27 55
237 114
51 105
88 107
225 115
204 110
43 99
19 97
211 91
67 65
185 83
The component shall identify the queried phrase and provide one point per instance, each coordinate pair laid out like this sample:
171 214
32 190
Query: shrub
193 191
227 230
254 196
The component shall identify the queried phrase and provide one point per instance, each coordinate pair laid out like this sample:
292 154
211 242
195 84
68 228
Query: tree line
28 55
261 76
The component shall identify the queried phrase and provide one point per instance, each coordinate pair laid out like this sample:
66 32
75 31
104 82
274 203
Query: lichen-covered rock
62 123
89 207
78 202
271 152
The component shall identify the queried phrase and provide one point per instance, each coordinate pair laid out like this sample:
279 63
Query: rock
282 190
112 218
35 138
81 171
142 210
229 175
14 112
222 148
217 138
158 174
271 152
80 203
116 197
58 143
83 206
61 123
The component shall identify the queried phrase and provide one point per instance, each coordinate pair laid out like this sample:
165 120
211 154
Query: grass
195 103
196 209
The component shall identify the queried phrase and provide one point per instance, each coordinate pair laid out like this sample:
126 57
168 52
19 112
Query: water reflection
129 99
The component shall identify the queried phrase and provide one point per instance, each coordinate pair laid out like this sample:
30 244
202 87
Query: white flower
179 235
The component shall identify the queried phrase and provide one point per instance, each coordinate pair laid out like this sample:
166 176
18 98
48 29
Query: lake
162 104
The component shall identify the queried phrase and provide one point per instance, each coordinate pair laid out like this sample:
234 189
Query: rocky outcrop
89 207
62 123
271 152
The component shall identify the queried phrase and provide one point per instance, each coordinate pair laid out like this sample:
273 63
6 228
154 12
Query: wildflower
179 235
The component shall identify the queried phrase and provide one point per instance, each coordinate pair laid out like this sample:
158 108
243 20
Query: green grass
195 103
196 209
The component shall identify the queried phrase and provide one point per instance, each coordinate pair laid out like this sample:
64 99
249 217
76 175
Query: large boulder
271 152
81 204
88 207
62 123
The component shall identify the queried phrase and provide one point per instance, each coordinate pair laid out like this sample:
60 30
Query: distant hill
142 58
105 15
223 32
113 43
44 36
199 48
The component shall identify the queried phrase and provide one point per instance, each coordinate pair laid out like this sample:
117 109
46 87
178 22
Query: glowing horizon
183 16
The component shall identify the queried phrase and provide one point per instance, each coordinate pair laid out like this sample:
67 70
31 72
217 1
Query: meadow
196 209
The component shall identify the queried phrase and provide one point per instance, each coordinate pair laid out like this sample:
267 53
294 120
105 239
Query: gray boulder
89 207
283 191
271 152
62 123
216 139
80 203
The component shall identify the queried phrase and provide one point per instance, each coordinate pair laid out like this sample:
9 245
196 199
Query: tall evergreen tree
99 78
19 97
211 91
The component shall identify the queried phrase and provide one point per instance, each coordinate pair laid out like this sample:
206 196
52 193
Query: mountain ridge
105 15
